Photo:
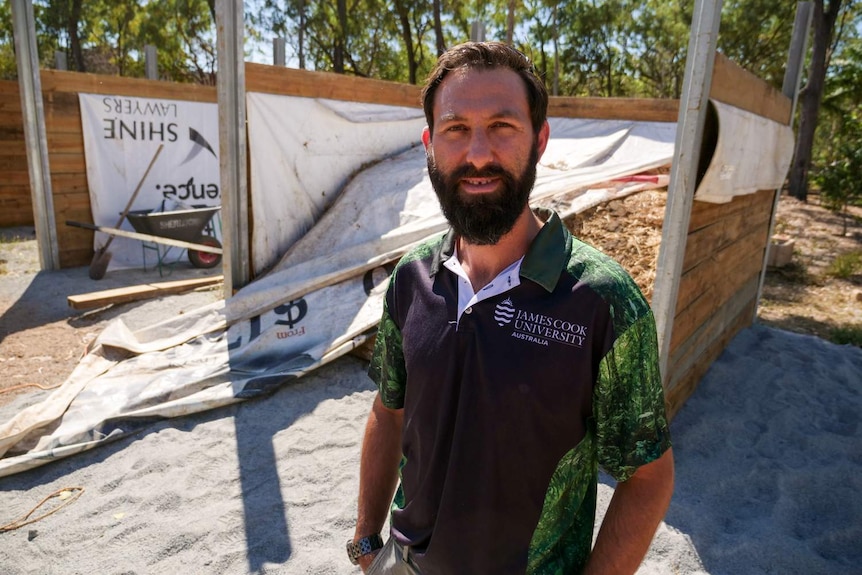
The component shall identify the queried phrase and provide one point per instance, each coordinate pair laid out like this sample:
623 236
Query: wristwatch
364 546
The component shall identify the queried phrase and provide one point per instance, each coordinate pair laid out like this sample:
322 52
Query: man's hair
487 56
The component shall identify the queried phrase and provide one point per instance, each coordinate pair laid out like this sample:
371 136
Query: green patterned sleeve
631 424
387 367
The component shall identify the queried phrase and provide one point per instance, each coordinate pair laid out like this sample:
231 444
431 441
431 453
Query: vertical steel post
60 60
151 62
232 143
33 112
279 52
683 176
790 88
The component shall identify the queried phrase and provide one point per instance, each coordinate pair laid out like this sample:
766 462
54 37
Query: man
512 360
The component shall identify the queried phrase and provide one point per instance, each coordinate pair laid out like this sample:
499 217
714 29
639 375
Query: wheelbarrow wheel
205 260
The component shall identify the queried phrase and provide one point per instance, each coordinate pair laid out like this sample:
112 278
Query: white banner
304 151
121 137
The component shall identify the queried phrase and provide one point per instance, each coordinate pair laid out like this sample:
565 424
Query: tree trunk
74 37
407 38
823 23
556 36
438 29
301 35
341 41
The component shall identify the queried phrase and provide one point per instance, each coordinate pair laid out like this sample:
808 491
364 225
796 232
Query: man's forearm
378 469
636 509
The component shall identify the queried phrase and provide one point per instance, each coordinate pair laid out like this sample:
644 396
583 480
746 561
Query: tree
756 35
823 23
837 160
840 185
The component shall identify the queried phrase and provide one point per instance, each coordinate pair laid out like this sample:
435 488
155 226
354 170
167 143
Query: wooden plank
75 82
73 257
738 87
147 237
636 109
57 121
12 119
705 213
139 292
709 327
13 148
66 143
685 383
704 242
690 319
68 164
304 83
717 270
69 183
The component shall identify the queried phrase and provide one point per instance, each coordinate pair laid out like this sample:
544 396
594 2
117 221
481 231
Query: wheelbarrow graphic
193 226
191 229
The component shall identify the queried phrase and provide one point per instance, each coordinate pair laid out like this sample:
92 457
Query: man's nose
479 151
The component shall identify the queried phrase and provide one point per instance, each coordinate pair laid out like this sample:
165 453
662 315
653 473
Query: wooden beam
77 82
147 237
738 87
693 108
304 83
635 109
135 293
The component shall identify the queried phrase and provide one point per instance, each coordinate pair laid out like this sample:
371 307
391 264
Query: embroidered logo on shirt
504 312
538 328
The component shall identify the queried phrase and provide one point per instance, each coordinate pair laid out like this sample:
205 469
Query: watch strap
363 546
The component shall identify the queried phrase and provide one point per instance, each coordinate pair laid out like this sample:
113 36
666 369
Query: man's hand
378 471
366 560
635 511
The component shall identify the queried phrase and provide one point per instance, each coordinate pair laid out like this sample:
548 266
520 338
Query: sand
769 478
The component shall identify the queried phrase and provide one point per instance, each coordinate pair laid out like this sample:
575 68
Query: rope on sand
25 385
66 493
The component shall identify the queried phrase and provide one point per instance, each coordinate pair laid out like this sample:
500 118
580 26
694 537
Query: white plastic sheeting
752 153
318 302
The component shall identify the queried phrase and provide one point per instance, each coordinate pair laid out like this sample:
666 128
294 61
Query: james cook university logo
504 312
538 328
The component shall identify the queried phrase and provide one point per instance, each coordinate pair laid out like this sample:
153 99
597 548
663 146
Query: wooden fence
16 208
725 252
726 242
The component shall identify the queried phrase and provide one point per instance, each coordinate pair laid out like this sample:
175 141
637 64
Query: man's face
483 152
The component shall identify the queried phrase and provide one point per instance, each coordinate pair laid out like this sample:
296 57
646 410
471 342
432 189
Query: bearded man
512 360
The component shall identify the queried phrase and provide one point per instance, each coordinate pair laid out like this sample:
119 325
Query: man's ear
426 137
543 137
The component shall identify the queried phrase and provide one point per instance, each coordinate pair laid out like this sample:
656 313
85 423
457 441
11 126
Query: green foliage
839 166
756 35
590 47
845 266
846 335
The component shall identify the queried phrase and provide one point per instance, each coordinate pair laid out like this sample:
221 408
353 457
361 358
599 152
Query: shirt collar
544 260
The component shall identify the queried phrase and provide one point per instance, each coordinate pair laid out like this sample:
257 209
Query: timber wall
16 207
725 252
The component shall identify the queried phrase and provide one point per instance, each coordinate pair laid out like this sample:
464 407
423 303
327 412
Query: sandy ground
768 451
769 476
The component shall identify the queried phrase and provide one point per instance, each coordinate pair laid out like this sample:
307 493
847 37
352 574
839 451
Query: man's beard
484 218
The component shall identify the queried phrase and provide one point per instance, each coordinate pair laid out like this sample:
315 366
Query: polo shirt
510 409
